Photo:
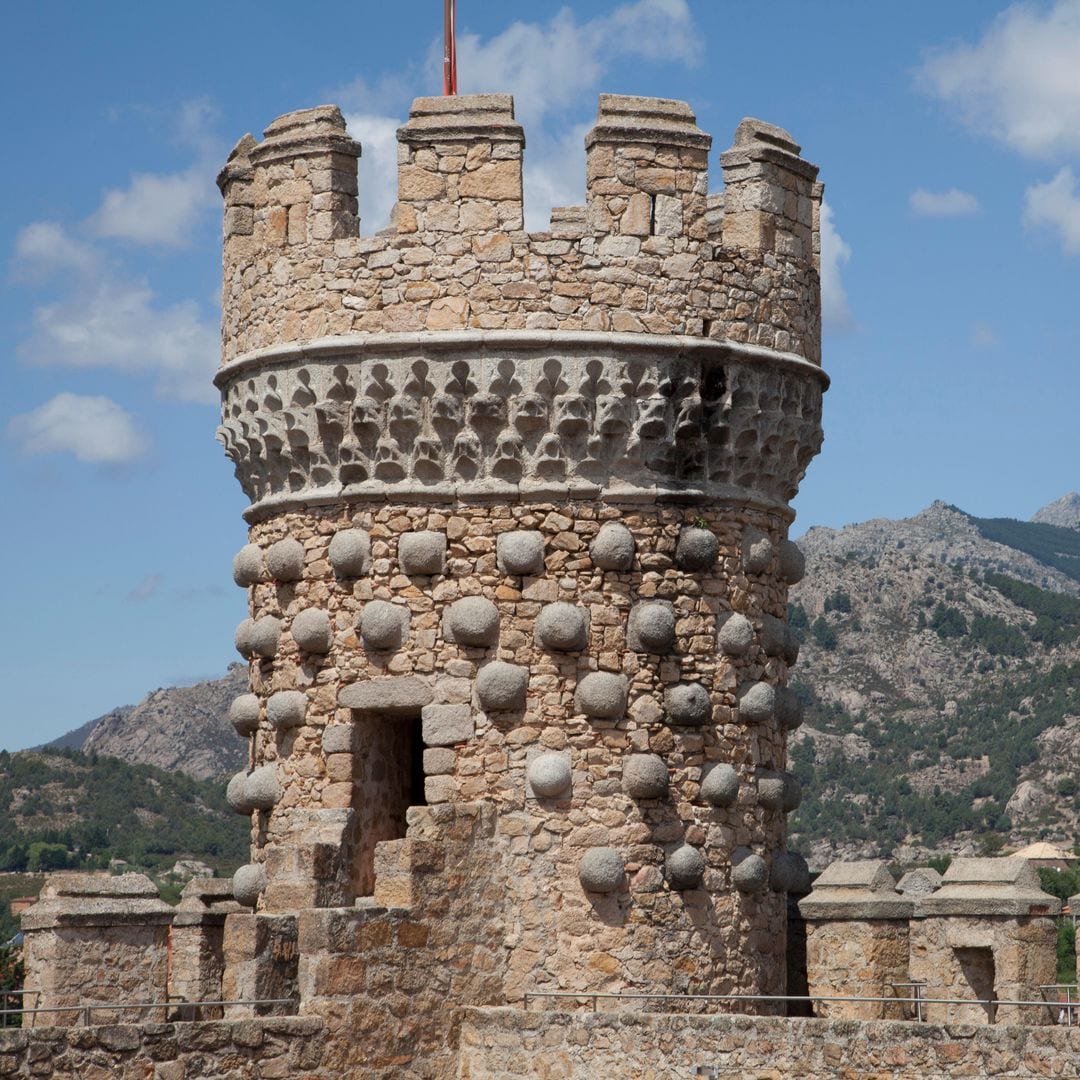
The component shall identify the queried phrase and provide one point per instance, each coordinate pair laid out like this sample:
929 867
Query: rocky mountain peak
1063 512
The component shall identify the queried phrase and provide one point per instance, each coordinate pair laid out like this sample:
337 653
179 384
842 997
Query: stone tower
517 566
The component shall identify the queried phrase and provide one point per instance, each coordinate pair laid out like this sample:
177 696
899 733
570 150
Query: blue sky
949 141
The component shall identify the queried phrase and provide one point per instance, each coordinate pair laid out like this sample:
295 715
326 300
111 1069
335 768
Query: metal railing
917 999
85 1009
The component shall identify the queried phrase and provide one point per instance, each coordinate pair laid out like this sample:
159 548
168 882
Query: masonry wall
501 1044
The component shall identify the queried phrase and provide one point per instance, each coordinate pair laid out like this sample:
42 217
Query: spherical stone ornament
249 883
601 870
602 694
789 873
770 789
242 639
549 776
501 687
262 788
286 709
697 549
520 552
383 626
264 637
350 553
311 630
285 560
645 776
749 873
422 553
247 566
736 634
792 793
720 786
472 621
236 795
792 562
773 635
651 627
757 551
562 627
757 702
688 705
789 709
613 547
685 867
244 714
791 646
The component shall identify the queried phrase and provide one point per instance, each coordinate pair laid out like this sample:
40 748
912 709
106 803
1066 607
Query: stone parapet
988 887
198 956
855 890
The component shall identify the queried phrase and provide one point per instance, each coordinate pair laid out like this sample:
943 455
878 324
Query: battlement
650 251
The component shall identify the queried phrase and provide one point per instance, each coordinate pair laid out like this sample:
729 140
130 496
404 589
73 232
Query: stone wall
251 1050
504 1044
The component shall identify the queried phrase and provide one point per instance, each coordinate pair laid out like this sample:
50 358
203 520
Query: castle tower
517 565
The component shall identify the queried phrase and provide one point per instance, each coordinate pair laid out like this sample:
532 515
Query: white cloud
145 589
951 203
983 336
1019 82
1056 206
106 320
94 429
155 208
835 313
378 167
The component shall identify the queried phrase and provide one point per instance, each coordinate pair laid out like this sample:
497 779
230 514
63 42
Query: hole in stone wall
977 970
388 778
652 215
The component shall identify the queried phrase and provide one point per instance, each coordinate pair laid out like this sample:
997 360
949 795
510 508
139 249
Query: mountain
1065 512
941 676
183 728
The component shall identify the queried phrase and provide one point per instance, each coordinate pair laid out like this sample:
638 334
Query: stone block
613 547
422 553
286 709
502 687
447 725
383 626
602 695
757 702
391 694
312 632
749 873
472 621
520 552
685 867
285 560
338 739
549 775
651 627
562 627
350 553
736 634
697 549
757 551
601 870
720 786
645 776
688 705
439 761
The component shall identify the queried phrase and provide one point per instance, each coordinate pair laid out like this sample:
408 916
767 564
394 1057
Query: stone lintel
989 887
205 900
56 912
755 141
397 695
627 119
462 117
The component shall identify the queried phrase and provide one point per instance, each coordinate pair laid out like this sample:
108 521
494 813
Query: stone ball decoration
770 789
285 560
757 551
757 702
613 547
697 549
520 552
792 562
789 709
688 705
685 867
242 639
350 553
789 873
311 630
645 776
249 883
651 627
262 788
791 646
422 553
773 635
549 776
501 687
473 621
383 626
286 709
601 870
749 873
792 793
602 694
736 634
247 566
562 627
244 714
264 637
720 787
236 794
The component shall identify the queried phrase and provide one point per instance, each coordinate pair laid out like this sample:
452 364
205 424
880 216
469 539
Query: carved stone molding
519 416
